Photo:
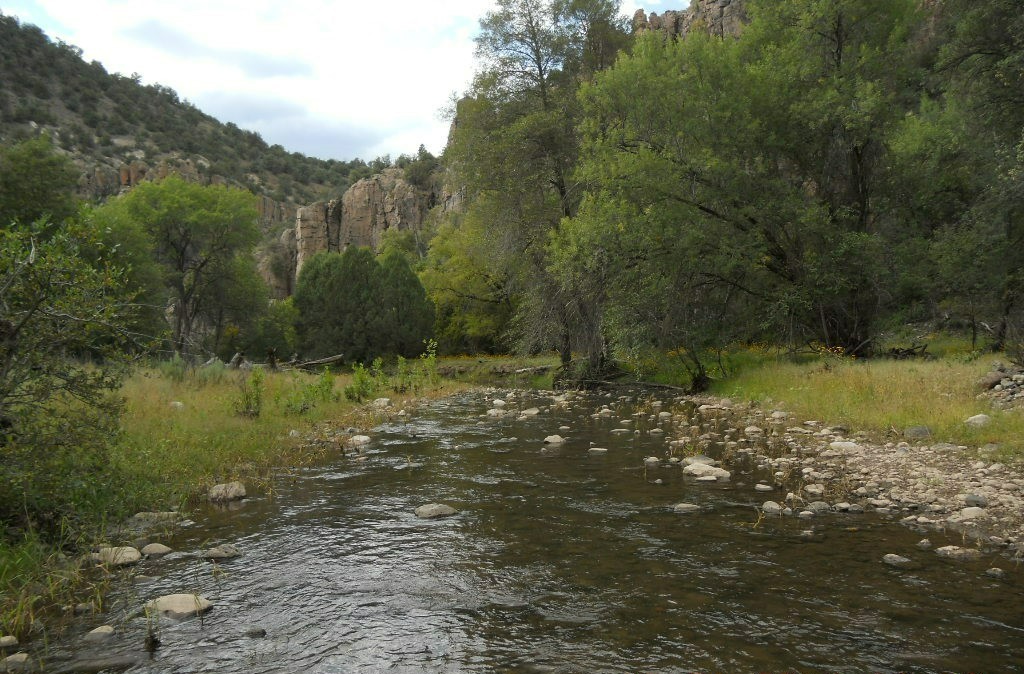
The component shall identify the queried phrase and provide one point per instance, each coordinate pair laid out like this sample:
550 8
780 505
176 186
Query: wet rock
8 641
706 470
652 461
496 413
597 450
707 478
814 489
113 663
531 412
763 487
959 554
896 560
700 458
805 514
255 632
976 500
995 572
230 491
435 510
554 440
357 441
118 556
222 552
771 508
924 544
155 550
179 605
819 507
101 633
16 663
842 506
686 508
855 508
978 420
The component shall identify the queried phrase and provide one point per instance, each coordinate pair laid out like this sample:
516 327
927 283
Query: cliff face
718 17
368 208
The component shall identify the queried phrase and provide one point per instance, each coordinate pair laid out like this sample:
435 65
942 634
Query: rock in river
435 510
119 556
101 633
179 605
8 641
703 470
958 553
231 491
221 552
895 560
686 508
554 440
771 508
155 550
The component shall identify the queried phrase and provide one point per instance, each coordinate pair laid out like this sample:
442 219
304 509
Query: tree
203 237
36 183
62 354
407 318
337 296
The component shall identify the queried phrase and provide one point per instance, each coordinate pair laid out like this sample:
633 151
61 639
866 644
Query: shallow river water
558 561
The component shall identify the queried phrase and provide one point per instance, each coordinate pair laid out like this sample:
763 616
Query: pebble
255 632
771 508
156 550
973 513
685 508
15 662
924 544
598 450
959 554
8 641
995 572
978 500
554 440
763 487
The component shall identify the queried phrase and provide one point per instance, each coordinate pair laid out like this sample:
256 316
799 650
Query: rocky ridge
718 17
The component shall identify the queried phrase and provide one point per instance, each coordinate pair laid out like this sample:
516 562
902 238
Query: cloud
177 44
246 109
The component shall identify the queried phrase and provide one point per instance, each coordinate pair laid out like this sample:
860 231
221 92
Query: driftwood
331 360
915 351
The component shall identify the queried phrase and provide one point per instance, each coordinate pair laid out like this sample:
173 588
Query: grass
883 397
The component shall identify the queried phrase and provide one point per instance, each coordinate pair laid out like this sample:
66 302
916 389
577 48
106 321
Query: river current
559 560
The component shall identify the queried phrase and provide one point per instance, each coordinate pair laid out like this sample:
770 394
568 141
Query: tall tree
203 237
35 183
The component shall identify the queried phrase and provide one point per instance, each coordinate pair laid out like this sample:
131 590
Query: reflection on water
559 561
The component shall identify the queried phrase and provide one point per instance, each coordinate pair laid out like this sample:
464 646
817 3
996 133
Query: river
559 560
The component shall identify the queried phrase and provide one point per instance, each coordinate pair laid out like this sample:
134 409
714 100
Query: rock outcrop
718 17
366 210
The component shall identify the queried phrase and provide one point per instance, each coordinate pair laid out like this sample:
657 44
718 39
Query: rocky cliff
367 209
718 17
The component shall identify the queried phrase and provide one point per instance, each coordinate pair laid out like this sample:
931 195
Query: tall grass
884 397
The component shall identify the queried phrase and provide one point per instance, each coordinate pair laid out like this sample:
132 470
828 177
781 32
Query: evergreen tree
407 316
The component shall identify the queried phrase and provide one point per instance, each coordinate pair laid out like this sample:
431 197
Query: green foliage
57 409
363 385
36 183
202 237
308 396
249 402
354 305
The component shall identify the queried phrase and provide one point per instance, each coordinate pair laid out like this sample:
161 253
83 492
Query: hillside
119 131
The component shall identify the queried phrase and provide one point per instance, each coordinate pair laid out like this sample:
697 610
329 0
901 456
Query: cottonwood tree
203 238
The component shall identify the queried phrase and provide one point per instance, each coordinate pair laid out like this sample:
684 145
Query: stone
752 430
814 489
8 641
763 487
706 470
222 552
357 441
819 507
771 508
924 544
101 633
155 550
118 556
959 554
995 572
700 458
177 405
895 560
845 446
917 432
554 440
381 403
435 510
179 606
496 412
230 491
979 420
530 412
255 632
652 461
597 450
15 663
973 513
707 478
498 403
686 508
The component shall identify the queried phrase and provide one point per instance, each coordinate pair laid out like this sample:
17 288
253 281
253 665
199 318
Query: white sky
328 78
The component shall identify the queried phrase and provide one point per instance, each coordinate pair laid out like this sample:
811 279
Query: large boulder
118 556
231 491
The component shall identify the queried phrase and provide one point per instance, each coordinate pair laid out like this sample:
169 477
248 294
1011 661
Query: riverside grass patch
884 397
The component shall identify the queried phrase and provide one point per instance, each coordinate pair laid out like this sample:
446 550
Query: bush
250 402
